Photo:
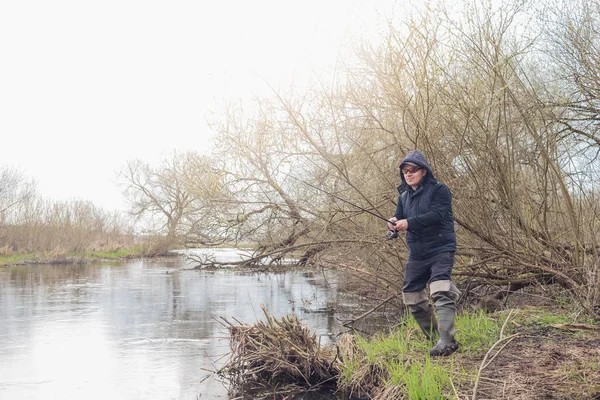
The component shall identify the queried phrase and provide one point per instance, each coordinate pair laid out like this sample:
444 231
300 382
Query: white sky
87 85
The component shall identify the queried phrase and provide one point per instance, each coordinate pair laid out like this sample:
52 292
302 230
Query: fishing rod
391 234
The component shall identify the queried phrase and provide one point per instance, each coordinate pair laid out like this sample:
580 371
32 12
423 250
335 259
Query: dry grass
278 353
359 377
560 366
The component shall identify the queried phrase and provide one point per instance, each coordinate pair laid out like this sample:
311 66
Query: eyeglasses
410 170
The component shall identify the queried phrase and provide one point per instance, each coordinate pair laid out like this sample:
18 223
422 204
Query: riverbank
52 257
527 353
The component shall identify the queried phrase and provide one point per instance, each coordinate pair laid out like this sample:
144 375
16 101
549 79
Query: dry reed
278 353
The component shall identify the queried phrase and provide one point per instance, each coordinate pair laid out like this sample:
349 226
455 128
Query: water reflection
137 330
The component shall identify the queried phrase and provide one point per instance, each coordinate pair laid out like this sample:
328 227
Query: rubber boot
445 306
423 313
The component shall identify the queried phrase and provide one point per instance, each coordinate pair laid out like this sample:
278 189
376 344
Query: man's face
413 175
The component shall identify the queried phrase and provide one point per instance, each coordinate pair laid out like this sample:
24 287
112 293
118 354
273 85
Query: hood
416 157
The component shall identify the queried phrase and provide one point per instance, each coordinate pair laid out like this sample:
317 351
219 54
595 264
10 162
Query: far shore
47 258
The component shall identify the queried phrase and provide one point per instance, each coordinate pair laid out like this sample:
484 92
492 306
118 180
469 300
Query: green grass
427 381
383 346
542 320
542 317
15 258
400 359
476 332
418 380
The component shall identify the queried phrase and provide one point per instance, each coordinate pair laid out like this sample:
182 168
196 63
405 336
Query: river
139 329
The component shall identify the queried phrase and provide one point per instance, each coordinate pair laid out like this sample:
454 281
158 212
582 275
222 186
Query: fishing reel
391 234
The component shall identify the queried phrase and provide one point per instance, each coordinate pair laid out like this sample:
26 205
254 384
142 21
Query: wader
436 270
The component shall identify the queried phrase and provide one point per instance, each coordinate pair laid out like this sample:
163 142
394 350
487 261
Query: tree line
31 224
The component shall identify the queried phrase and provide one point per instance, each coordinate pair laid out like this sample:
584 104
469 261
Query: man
424 212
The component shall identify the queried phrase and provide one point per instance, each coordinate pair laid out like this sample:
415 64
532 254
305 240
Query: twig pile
278 353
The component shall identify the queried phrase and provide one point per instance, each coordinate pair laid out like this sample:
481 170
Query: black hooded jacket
428 210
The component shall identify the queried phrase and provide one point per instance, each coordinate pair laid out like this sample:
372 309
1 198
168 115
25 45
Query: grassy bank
529 353
397 364
49 257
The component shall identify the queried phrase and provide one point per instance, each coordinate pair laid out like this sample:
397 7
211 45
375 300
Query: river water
140 329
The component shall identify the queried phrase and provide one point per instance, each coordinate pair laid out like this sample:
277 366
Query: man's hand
401 225
391 223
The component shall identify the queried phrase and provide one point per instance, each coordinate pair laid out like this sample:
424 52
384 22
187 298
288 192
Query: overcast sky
86 86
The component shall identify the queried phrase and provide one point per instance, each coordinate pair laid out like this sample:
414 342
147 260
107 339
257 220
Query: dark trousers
417 273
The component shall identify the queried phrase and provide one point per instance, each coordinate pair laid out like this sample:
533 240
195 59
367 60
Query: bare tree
14 190
257 159
574 45
173 198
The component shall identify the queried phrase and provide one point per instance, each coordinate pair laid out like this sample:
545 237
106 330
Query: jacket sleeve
441 206
399 209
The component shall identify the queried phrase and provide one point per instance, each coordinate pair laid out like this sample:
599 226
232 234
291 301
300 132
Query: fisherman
424 212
